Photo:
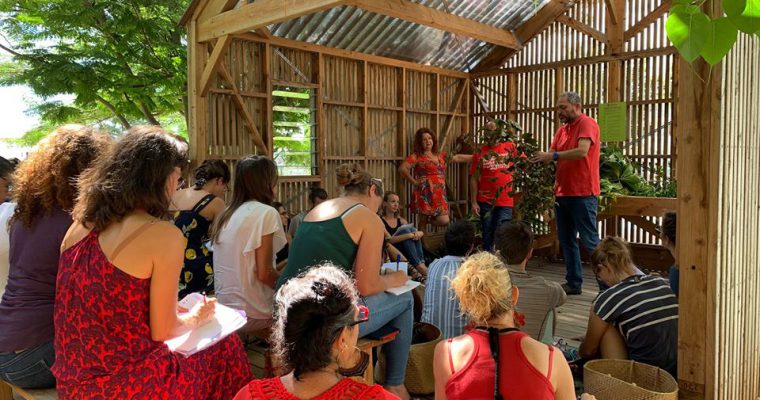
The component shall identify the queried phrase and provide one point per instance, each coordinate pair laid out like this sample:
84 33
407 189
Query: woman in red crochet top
464 366
314 335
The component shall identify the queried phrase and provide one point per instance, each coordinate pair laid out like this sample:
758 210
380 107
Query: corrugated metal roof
354 29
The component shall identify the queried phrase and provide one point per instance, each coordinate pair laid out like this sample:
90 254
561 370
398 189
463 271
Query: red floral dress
346 389
429 198
103 345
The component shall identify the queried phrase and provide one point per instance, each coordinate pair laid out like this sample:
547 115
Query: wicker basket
629 380
419 377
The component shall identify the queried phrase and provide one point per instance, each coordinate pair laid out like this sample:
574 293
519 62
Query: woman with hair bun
496 360
317 320
636 318
347 232
196 208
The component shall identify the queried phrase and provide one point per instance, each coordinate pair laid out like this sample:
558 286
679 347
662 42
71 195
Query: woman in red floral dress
425 169
116 296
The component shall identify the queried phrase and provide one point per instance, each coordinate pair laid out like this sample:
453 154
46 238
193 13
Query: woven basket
629 380
419 377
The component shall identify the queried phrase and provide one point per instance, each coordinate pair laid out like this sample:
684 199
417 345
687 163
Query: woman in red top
426 170
314 335
464 366
116 292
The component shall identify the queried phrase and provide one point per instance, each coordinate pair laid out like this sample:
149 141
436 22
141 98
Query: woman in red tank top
464 366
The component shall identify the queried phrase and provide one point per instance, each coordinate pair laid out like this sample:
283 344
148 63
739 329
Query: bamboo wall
571 55
366 111
738 247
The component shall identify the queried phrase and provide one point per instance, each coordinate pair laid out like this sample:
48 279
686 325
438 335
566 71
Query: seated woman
45 192
315 335
496 360
636 318
196 208
668 237
347 232
246 238
116 297
281 258
402 235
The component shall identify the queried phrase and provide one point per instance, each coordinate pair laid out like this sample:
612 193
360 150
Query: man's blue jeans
410 248
391 312
490 219
29 369
576 216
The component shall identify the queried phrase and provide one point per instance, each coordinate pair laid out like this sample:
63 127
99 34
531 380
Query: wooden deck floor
572 317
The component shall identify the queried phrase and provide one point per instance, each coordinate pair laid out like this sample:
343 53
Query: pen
204 297
398 260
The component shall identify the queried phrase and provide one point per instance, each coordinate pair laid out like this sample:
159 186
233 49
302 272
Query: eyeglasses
363 315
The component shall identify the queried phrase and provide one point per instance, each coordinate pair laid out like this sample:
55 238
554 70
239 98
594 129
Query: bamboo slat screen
738 278
367 113
555 61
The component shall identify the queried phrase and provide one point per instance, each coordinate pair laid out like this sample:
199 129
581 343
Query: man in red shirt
575 148
490 184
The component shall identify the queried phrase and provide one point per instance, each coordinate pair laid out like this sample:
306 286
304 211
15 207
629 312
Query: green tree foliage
123 61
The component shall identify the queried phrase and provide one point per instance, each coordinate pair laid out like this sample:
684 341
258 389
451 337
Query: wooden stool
366 345
7 390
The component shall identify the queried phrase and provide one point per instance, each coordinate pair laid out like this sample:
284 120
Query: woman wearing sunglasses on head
316 328
347 232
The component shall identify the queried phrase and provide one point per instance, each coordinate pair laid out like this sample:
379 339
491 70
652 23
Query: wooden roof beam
527 31
424 15
583 28
258 14
213 63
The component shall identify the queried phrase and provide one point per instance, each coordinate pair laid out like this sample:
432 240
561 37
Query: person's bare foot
399 391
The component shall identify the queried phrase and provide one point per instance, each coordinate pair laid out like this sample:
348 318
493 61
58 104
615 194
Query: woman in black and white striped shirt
636 318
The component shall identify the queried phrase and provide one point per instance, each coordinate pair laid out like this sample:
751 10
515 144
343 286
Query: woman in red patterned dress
116 295
314 335
425 169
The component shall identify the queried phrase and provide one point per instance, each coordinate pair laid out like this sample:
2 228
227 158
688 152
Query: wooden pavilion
368 73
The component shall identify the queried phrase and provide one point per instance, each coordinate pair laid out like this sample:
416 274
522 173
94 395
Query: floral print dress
429 198
197 274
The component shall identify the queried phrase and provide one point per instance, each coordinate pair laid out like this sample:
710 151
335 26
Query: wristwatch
555 156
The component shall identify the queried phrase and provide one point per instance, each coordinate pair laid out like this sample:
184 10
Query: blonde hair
355 179
614 253
483 287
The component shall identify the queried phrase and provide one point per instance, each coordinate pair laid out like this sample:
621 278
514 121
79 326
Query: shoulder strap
349 209
451 358
130 238
202 203
551 358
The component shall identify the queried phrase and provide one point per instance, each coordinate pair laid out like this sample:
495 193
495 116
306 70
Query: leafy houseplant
618 177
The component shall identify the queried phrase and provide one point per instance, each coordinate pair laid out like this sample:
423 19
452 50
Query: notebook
390 267
226 321
410 284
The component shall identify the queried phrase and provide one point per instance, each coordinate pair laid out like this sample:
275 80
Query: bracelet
555 156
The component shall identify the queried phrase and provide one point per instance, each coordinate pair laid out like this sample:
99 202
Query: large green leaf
720 40
734 8
688 29
749 20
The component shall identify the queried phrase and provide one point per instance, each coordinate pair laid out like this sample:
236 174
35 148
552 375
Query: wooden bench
7 391
366 345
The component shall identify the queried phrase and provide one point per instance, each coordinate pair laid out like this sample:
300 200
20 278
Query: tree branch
148 115
123 120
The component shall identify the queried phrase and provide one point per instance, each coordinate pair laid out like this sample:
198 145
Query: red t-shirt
494 173
577 177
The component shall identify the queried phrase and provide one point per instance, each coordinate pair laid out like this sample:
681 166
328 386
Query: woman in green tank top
348 232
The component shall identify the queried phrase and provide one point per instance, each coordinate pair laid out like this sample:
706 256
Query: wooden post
197 113
615 43
698 164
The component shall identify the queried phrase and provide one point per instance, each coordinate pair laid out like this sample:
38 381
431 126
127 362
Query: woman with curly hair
425 169
496 360
116 297
196 208
317 319
45 192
